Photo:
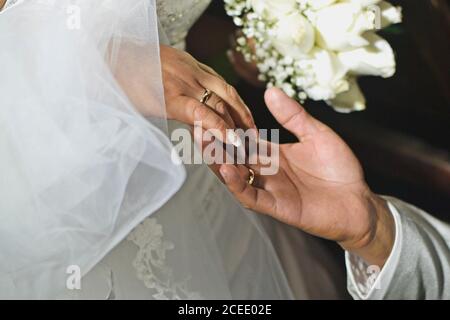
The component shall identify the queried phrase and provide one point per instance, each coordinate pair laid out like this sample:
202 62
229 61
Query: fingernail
223 174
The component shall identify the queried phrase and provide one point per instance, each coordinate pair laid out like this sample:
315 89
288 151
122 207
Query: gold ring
206 96
251 177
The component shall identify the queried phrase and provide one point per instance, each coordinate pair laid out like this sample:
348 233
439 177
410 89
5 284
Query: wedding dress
200 244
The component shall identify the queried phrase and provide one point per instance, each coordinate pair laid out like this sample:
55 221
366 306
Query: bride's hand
319 188
185 81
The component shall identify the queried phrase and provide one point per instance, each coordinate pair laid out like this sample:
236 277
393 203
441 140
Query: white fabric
80 168
10 3
367 283
419 264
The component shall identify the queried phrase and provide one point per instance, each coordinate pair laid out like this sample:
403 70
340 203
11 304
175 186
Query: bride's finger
239 111
250 196
193 112
198 134
219 106
213 101
209 70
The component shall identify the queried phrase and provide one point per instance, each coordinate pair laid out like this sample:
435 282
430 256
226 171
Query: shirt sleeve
366 281
418 266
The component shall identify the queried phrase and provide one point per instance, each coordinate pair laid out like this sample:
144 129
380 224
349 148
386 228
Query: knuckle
231 91
220 107
294 119
219 123
184 54
198 110
241 188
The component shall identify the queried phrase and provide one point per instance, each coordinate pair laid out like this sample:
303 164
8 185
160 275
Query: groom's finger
290 114
250 197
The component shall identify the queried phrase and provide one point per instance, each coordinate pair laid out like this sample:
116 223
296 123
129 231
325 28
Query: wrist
376 244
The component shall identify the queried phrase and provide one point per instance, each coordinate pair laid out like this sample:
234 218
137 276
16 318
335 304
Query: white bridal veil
79 167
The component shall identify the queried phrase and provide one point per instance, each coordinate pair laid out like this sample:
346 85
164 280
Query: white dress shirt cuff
366 282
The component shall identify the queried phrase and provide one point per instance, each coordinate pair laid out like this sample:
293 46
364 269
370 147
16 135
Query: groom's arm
419 264
320 188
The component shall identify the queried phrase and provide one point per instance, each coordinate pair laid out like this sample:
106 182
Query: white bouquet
317 48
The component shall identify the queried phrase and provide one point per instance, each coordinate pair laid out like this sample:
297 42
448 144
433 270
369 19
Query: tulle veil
79 167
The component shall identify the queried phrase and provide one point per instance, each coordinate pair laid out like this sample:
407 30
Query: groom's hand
320 187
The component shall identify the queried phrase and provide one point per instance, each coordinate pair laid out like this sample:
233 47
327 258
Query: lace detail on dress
150 263
177 17
363 279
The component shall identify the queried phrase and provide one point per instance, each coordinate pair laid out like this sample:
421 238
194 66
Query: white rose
318 4
273 9
386 13
364 3
293 36
389 14
329 76
377 59
340 26
351 100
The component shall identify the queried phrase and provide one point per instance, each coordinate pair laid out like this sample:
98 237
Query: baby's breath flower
314 48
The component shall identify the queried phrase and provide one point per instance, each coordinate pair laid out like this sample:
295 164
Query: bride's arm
2 3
